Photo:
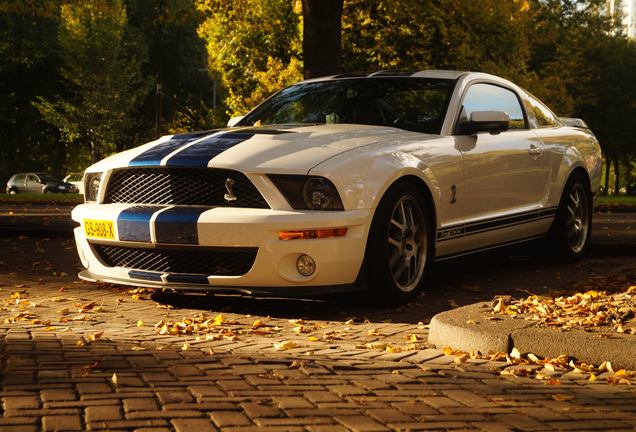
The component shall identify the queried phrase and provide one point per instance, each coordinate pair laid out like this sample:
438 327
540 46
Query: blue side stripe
145 275
187 278
199 154
178 225
153 156
133 224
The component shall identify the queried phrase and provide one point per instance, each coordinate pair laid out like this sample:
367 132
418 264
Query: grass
32 198
616 201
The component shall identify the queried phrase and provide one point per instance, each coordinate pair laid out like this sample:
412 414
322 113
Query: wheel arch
421 186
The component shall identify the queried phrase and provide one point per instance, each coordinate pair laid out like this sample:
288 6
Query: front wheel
570 234
399 245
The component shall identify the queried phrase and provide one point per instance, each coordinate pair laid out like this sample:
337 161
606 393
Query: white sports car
342 183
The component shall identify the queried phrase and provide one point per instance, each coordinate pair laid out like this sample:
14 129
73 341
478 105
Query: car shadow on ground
516 271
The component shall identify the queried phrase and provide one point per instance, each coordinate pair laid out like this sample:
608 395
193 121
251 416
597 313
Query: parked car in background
341 183
38 183
76 179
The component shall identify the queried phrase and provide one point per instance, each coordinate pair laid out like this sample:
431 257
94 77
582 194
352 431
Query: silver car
38 183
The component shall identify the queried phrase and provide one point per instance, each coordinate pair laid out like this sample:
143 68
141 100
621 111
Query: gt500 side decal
464 230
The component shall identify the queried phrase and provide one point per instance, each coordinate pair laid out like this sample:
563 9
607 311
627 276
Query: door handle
534 150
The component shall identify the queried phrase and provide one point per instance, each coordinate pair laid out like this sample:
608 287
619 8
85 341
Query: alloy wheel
578 218
407 243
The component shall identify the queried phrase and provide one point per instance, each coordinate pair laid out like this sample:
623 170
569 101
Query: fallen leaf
285 345
562 397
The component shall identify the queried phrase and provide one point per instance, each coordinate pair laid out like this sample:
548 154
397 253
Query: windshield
415 104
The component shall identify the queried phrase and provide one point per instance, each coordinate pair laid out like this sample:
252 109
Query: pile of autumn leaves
594 311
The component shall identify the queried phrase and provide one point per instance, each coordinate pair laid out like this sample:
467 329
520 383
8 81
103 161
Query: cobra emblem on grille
229 196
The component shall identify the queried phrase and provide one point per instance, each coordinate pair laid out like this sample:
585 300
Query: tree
102 62
321 37
29 65
253 47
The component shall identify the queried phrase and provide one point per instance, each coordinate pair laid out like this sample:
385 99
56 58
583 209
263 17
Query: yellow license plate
99 229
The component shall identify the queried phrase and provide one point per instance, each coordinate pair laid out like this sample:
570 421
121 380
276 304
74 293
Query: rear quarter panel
570 148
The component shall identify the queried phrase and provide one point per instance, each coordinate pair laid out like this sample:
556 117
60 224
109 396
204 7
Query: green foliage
102 61
253 47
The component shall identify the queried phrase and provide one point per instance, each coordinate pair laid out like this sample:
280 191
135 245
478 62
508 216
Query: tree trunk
607 174
617 182
321 37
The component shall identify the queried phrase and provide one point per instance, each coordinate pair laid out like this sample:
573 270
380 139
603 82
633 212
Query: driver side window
489 97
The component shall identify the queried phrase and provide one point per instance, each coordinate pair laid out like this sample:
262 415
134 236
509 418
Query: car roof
431 73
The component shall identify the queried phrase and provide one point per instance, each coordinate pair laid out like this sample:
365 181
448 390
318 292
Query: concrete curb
469 329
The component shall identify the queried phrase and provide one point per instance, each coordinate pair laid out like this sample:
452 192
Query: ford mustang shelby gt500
339 183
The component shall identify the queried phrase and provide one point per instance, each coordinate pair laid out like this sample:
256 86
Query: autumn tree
102 62
253 47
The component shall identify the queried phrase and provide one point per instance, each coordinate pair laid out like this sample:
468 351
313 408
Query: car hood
273 149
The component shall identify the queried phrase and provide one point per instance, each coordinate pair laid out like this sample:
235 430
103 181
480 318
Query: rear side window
544 117
19 178
488 97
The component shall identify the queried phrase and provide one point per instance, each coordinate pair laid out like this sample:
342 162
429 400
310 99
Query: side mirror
234 120
484 121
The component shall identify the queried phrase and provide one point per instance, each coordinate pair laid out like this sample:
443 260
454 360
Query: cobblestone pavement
80 356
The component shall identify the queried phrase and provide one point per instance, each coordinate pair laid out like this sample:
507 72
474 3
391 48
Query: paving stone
193 424
140 404
293 402
20 428
102 413
166 397
58 395
254 410
389 415
321 396
51 423
229 418
136 415
11 403
84 388
361 424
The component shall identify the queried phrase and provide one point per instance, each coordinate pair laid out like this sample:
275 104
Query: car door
506 173
32 184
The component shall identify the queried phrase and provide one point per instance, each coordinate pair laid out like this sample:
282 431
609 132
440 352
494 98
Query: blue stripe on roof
133 224
178 225
200 154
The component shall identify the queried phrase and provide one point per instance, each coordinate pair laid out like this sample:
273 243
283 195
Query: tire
13 192
569 236
397 255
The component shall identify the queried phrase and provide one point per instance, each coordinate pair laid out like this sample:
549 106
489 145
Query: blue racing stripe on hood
178 225
153 156
133 224
200 154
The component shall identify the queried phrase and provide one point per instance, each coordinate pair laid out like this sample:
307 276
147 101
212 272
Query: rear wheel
399 245
569 236
13 191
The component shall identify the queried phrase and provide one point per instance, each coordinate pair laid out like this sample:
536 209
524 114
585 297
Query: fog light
306 265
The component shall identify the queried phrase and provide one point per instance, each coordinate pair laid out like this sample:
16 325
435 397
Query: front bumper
338 260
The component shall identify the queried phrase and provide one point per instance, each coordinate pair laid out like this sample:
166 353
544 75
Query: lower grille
215 262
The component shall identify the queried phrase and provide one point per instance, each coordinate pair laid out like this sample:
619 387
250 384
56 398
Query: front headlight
91 186
308 192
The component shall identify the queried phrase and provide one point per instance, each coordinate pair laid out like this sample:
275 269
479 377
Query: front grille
181 186
217 262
